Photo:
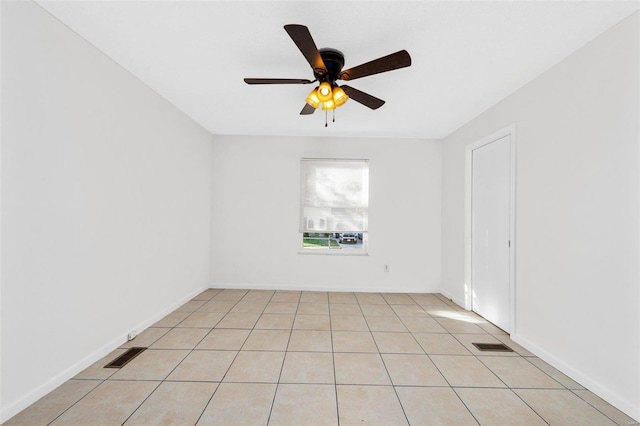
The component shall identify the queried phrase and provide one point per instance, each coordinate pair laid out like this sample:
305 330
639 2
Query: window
334 202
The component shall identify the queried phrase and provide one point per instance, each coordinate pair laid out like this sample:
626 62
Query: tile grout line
275 392
232 361
567 389
143 401
492 372
237 352
385 364
443 376
593 406
74 404
160 382
333 361
478 356
447 380
178 364
518 355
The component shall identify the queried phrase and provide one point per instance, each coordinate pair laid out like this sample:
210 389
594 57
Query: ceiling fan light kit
327 96
327 66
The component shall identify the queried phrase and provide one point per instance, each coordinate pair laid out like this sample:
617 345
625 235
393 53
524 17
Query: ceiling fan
327 64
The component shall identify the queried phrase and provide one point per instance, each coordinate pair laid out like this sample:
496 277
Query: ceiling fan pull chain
325 118
334 115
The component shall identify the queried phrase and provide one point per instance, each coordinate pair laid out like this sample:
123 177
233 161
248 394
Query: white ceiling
466 56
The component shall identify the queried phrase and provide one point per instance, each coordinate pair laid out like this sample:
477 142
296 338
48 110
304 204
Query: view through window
334 202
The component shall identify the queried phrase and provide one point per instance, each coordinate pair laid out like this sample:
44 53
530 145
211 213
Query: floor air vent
495 347
123 359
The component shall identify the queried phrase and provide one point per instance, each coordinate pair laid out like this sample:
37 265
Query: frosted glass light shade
339 96
324 92
313 99
328 105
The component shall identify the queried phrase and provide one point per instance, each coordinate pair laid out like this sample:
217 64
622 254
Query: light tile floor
252 357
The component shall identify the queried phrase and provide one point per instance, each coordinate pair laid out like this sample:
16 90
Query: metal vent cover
125 358
494 347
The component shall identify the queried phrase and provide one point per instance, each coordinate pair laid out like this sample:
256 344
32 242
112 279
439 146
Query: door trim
468 285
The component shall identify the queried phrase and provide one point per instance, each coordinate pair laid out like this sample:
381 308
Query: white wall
255 218
105 204
577 213
106 207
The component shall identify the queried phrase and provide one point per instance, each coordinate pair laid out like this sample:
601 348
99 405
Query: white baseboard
630 408
452 298
354 289
15 407
20 404
157 317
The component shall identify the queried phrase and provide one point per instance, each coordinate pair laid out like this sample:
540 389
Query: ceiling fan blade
390 62
302 38
277 81
308 109
364 98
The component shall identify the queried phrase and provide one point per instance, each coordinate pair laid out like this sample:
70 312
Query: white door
490 231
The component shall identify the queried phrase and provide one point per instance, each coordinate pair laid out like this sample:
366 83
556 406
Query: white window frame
361 250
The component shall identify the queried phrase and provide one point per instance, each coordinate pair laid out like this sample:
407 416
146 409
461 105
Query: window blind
334 195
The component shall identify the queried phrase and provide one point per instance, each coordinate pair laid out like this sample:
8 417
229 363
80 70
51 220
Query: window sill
326 252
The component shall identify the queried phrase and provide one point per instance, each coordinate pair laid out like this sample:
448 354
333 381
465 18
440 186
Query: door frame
468 206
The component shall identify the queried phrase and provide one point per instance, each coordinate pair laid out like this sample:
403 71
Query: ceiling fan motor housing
334 61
